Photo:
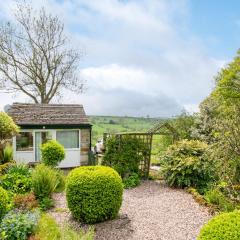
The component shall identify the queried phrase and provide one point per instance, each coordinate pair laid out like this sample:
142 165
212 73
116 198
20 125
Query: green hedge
94 193
52 153
222 227
4 201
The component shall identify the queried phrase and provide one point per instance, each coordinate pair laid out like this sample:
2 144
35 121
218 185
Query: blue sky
217 23
144 57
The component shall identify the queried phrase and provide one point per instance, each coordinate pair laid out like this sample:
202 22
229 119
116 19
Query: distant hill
114 124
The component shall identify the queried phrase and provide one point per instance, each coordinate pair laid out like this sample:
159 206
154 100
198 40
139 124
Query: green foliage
60 180
46 203
94 193
7 129
69 233
25 201
183 124
186 164
132 181
49 230
52 153
4 202
44 181
18 225
216 197
7 126
17 180
8 153
222 227
4 167
124 154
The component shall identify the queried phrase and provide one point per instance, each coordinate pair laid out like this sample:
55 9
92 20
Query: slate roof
48 114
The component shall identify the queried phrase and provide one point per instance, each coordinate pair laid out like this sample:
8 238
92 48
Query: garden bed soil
150 211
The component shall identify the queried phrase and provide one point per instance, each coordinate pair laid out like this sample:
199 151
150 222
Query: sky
144 57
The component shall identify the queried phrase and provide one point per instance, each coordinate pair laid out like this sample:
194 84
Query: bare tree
35 57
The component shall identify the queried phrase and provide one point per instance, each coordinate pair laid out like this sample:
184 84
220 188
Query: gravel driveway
150 211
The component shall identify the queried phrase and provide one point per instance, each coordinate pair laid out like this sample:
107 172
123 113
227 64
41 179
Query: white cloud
139 50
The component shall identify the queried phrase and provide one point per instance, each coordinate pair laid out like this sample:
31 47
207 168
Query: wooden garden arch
146 137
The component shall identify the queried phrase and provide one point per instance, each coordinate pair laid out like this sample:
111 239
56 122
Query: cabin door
40 138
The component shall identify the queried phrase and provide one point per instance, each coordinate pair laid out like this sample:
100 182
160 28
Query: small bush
8 153
44 181
4 202
186 164
47 228
4 167
222 227
25 201
7 129
60 180
216 197
132 181
46 203
17 180
94 193
52 153
18 225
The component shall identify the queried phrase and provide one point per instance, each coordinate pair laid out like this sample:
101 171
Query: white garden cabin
66 123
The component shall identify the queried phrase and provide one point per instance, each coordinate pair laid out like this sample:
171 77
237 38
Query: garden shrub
186 164
224 226
4 202
4 167
7 129
216 197
25 201
18 225
52 153
8 153
47 228
44 181
46 203
60 180
124 154
132 181
94 193
17 179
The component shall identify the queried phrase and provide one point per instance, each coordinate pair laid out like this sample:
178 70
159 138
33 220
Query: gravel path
150 211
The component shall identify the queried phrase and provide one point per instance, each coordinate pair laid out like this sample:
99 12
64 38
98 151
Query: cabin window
24 141
69 139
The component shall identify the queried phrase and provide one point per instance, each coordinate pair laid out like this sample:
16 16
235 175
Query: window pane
69 139
24 141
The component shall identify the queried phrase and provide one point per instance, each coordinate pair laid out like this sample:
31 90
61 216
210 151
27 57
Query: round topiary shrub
52 153
94 193
224 226
4 201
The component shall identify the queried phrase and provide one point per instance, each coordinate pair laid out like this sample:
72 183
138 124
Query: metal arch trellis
146 138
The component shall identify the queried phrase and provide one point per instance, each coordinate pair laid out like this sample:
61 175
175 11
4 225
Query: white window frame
67 130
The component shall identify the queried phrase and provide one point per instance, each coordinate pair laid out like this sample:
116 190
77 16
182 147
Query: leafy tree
220 121
35 57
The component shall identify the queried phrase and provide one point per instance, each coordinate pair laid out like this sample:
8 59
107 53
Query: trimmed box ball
94 193
224 226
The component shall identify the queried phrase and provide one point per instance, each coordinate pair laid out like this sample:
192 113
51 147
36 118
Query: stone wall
85 142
